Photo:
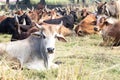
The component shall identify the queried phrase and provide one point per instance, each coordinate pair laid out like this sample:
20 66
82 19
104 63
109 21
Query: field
81 58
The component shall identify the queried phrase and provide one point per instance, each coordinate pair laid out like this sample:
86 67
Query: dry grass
80 59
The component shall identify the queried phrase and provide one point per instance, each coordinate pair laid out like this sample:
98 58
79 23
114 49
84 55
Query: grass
81 58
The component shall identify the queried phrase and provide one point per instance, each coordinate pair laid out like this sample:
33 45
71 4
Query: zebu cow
110 31
35 52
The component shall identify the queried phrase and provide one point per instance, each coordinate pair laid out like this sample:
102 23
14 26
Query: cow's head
100 24
73 13
48 33
101 8
25 19
103 22
86 26
19 12
84 13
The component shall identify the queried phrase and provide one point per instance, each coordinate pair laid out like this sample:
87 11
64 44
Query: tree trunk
7 5
17 2
83 3
27 3
41 4
78 1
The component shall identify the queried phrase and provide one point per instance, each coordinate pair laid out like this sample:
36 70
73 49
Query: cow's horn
61 23
39 26
24 22
28 9
32 8
16 19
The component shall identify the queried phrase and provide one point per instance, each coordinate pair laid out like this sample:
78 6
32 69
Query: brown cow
86 26
19 12
34 15
47 15
110 32
84 13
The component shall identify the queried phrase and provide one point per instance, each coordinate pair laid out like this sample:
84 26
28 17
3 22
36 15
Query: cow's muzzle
95 29
80 33
50 50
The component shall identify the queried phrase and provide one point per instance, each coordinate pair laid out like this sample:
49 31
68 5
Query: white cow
37 51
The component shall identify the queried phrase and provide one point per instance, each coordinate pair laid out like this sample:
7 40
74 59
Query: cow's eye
43 36
55 36
94 23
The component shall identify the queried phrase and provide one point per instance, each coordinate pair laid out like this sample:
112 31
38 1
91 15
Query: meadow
80 58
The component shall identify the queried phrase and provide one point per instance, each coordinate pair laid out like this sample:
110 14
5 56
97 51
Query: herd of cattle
34 31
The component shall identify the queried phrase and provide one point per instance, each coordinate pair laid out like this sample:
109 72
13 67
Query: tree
83 3
27 3
17 2
78 1
7 5
41 4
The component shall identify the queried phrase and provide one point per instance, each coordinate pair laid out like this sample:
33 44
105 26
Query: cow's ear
36 34
28 9
61 38
38 26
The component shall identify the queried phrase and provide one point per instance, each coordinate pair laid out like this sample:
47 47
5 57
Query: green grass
81 58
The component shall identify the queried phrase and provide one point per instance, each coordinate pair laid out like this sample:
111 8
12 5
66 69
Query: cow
68 20
86 26
108 8
47 15
34 15
10 26
19 12
84 13
24 18
13 25
110 31
35 52
61 11
26 34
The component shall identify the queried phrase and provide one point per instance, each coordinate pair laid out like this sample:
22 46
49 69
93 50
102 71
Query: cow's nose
50 50
95 29
80 33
